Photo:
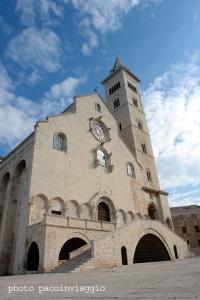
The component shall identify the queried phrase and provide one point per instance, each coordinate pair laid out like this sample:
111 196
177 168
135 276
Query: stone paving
161 280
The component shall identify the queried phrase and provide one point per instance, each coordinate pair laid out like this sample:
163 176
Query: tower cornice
114 71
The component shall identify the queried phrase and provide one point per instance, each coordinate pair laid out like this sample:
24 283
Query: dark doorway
124 256
33 257
175 252
70 246
149 249
103 212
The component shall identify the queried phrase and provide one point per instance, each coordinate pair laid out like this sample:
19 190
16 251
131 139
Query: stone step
73 264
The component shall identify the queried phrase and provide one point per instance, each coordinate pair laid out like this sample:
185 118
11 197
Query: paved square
162 280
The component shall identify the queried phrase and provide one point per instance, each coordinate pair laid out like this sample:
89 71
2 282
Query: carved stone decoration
99 130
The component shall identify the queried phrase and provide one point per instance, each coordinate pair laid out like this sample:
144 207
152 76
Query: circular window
99 130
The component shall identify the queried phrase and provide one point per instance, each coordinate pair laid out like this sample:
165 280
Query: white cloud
4 26
185 198
18 114
173 109
36 50
101 16
92 42
60 94
32 10
104 15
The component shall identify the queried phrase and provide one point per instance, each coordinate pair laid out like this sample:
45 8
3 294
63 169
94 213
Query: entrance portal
33 257
149 249
69 246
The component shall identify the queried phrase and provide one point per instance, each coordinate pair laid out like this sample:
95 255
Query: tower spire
117 64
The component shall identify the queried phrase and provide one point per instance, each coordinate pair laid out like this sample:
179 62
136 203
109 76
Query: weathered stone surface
49 196
157 281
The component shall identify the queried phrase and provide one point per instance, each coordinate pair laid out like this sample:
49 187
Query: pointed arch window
140 125
98 107
102 157
148 172
103 212
144 148
60 141
130 170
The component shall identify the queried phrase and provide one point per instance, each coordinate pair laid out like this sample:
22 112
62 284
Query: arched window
140 125
98 107
144 149
175 252
152 212
148 172
130 170
103 212
60 142
124 256
168 222
102 157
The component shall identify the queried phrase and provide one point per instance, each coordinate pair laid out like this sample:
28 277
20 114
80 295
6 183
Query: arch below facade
175 252
39 206
69 246
33 257
129 217
73 209
17 188
3 192
124 255
121 217
57 206
86 211
150 248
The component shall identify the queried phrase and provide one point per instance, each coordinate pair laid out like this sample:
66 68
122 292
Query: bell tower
124 101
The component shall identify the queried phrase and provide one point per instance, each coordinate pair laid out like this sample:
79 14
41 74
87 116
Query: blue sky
51 50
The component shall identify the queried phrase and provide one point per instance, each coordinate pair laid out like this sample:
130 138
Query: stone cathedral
82 192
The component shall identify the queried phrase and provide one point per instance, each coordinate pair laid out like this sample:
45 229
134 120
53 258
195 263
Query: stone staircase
81 262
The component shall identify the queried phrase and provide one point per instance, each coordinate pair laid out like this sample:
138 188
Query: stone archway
33 256
149 249
69 246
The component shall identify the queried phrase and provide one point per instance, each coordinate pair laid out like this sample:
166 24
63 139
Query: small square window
56 212
184 229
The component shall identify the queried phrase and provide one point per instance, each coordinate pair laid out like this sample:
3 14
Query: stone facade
186 220
86 176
